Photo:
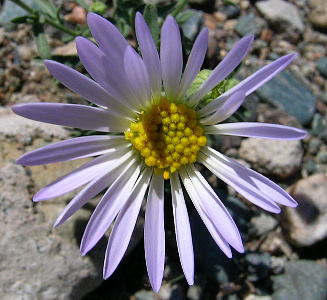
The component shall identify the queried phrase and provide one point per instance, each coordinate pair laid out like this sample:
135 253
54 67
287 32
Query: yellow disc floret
167 136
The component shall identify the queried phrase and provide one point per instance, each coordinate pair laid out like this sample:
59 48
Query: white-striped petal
253 82
236 180
226 66
154 232
182 229
194 62
195 197
91 190
124 224
225 109
215 209
109 206
71 149
258 130
82 175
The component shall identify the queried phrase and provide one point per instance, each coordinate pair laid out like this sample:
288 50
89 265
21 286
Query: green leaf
83 4
151 17
47 6
22 19
42 44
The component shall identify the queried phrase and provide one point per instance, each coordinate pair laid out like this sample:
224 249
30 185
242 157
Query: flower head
158 134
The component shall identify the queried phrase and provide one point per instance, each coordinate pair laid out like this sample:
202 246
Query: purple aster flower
159 133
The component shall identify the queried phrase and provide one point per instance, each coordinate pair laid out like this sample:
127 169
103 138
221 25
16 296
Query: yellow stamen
167 136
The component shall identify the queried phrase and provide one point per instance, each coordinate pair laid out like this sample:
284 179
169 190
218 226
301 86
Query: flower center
167 136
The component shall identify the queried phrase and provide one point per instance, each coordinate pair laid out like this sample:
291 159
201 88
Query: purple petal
171 57
78 177
215 209
72 149
228 64
195 61
182 229
137 75
87 193
260 182
149 54
238 180
154 232
124 225
109 39
195 197
253 82
258 130
225 109
73 115
79 83
109 206
90 56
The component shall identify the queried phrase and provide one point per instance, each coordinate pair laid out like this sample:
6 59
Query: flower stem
46 18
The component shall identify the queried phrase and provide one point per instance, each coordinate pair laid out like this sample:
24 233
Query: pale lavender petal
225 109
109 39
171 57
258 130
195 197
91 190
270 189
138 77
90 56
109 206
253 82
124 225
226 66
79 83
194 62
80 176
236 180
73 115
100 68
182 229
73 149
215 209
149 54
154 232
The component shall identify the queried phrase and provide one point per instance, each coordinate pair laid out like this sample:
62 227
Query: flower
152 135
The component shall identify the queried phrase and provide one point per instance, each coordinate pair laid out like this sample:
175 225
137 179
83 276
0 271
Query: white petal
195 197
124 224
154 232
182 229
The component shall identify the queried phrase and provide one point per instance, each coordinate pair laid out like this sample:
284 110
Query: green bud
98 7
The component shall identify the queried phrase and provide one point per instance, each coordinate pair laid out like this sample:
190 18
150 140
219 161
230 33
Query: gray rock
322 155
288 92
319 126
193 24
272 157
314 145
10 11
258 266
318 13
38 263
280 14
322 66
303 279
249 24
306 224
262 224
